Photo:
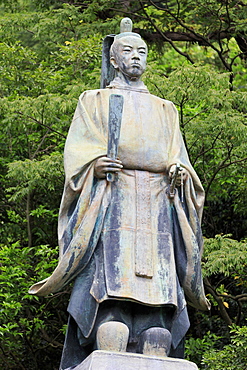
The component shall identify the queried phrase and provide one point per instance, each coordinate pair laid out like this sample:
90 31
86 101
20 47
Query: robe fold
127 240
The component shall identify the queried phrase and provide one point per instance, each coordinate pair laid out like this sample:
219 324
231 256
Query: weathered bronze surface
114 126
133 250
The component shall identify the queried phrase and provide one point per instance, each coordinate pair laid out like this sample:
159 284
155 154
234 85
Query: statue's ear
114 63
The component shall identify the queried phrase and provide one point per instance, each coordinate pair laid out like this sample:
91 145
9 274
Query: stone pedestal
106 360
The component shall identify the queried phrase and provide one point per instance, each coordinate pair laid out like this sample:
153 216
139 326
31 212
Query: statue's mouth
136 65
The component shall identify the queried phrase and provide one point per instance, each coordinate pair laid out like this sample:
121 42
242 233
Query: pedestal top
106 360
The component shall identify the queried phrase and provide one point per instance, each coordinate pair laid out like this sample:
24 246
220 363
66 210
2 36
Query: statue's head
128 53
128 56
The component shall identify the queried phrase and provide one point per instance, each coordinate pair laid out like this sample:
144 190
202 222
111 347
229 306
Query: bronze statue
132 246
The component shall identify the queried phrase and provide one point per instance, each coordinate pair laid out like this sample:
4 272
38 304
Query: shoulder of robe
92 93
167 103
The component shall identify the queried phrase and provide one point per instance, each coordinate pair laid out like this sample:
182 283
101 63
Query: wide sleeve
85 199
178 154
187 215
86 141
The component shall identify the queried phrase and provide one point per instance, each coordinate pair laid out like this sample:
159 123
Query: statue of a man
133 251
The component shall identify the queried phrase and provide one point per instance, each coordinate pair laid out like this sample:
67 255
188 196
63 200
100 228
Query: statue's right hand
104 164
182 176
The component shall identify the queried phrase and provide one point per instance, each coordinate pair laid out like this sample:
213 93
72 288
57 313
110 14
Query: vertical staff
114 126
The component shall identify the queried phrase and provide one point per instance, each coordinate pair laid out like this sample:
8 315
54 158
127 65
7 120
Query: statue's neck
133 82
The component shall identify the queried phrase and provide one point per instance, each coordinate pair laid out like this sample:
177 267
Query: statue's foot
155 342
112 336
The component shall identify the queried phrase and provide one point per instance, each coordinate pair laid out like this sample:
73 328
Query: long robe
127 240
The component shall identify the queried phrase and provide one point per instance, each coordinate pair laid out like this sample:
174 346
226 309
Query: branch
164 36
39 146
207 150
29 218
17 361
239 297
180 36
221 166
161 94
52 342
202 38
5 356
218 299
40 123
202 111
238 318
236 56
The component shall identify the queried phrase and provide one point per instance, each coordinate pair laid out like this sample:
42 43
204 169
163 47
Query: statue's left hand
182 175
104 164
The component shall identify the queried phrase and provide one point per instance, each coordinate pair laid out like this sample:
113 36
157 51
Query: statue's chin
133 75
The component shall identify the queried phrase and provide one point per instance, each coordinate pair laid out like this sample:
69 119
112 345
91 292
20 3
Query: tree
212 25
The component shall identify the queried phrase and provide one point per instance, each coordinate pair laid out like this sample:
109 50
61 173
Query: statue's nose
135 55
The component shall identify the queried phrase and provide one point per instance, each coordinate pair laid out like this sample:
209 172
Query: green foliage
45 64
225 271
35 175
226 256
50 53
232 357
26 327
196 347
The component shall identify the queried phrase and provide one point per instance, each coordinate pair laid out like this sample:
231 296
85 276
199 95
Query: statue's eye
127 49
142 51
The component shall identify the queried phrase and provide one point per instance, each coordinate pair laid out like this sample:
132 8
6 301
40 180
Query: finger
181 178
104 160
115 165
109 161
185 174
110 169
171 173
115 160
110 166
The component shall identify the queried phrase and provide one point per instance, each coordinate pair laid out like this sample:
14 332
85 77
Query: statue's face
129 56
